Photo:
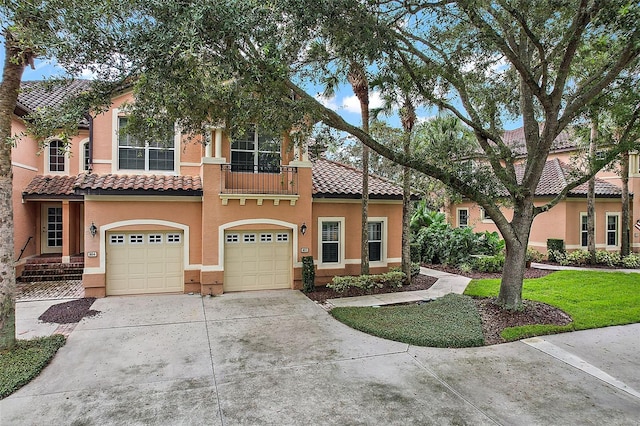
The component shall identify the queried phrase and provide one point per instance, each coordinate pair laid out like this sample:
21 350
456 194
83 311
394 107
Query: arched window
56 156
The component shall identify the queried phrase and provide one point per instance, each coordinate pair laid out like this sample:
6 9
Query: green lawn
451 321
25 361
592 299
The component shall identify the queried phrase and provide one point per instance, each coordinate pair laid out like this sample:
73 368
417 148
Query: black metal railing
24 248
282 180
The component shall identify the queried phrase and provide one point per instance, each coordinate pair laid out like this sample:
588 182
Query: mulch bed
69 312
321 294
495 319
528 273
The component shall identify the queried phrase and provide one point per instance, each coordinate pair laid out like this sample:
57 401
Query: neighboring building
568 219
182 216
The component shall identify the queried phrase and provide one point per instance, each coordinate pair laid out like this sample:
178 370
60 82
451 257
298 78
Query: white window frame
341 243
483 216
249 238
583 215
458 210
266 237
255 152
47 159
232 238
83 166
115 153
117 239
617 230
174 238
383 249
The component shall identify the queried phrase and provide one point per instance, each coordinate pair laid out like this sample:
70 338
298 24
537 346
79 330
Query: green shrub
367 282
25 360
578 257
416 252
489 263
453 246
308 274
415 269
608 258
533 255
632 261
554 245
488 243
558 256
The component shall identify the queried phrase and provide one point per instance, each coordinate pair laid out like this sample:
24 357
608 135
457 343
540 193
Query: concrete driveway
277 358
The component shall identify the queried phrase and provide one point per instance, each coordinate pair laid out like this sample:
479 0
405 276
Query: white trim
606 230
341 243
580 231
221 240
24 166
102 230
213 160
484 218
579 247
190 164
458 210
115 144
47 165
82 159
102 161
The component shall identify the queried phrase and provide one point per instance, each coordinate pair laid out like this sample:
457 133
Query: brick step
38 260
74 271
33 278
45 266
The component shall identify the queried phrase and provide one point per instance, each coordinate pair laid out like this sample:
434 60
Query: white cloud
352 104
329 102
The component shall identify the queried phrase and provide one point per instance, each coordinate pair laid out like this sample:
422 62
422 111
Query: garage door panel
260 264
144 262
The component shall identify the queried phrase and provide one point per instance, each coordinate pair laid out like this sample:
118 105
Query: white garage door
144 262
257 260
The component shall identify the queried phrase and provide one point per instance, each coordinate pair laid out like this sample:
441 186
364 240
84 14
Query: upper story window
484 216
56 156
86 156
463 218
252 152
134 154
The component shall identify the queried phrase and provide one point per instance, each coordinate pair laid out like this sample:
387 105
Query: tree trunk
516 242
360 85
625 248
591 194
408 119
14 65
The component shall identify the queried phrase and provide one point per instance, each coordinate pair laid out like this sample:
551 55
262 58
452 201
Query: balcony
253 182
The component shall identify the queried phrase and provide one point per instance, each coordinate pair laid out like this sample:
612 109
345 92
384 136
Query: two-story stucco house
177 216
568 219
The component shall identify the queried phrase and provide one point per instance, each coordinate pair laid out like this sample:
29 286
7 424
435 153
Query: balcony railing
281 180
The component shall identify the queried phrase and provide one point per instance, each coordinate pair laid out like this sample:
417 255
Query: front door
51 235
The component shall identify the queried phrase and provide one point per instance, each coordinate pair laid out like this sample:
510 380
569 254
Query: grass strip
592 299
451 321
22 363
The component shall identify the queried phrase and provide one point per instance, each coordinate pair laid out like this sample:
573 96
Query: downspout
90 119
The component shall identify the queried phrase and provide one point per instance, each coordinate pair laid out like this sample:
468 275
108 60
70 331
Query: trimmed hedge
308 274
367 282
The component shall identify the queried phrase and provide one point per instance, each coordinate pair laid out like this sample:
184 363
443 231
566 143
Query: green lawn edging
25 361
451 321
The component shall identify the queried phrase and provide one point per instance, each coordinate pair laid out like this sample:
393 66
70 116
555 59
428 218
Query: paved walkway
447 283
49 290
578 268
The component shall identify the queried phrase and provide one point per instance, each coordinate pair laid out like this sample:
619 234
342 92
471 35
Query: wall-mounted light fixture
303 228
93 230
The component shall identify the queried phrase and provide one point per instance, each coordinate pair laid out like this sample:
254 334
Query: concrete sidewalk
447 283
276 357
578 268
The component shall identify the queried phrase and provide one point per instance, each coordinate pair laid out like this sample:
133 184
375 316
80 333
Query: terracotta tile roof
34 94
61 186
335 180
139 182
515 140
555 177
51 185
